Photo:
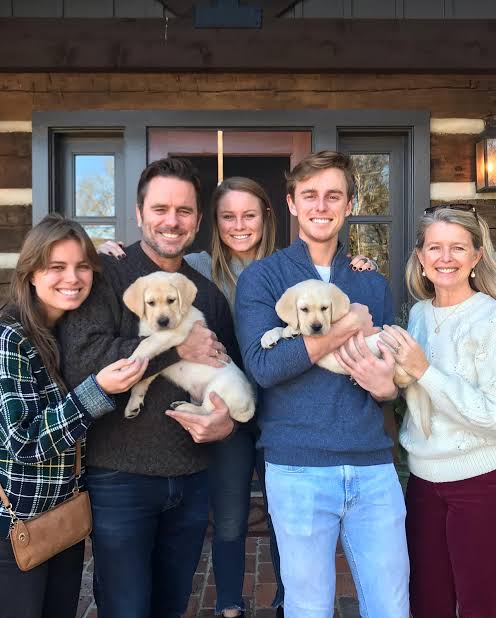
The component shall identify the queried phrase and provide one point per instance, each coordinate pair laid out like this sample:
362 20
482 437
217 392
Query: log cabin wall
457 103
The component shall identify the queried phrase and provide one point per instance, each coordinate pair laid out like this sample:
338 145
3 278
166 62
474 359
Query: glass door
376 226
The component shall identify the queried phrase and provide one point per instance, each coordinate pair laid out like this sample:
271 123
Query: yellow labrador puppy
163 302
310 308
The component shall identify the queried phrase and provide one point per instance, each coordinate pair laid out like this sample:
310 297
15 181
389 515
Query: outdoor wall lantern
485 158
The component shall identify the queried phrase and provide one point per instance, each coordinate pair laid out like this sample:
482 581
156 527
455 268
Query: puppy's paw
271 337
133 410
175 404
290 333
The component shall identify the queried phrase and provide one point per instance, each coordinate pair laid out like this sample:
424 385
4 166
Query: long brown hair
485 271
221 254
23 303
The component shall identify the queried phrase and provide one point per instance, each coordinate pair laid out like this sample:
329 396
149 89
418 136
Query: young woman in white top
449 430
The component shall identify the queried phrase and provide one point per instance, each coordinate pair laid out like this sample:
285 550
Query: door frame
325 126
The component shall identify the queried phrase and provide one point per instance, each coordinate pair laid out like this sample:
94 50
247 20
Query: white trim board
447 191
16 126
8 260
16 197
470 126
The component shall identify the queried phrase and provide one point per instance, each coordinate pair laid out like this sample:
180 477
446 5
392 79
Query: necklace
439 324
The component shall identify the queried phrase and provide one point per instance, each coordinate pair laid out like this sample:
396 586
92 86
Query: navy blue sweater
309 416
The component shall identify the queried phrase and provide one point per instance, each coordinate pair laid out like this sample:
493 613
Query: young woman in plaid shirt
40 421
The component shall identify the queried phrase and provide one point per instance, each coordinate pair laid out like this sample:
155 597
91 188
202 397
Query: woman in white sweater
449 430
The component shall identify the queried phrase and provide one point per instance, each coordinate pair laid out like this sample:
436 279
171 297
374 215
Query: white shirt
456 396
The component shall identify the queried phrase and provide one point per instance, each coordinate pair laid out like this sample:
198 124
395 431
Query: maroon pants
451 531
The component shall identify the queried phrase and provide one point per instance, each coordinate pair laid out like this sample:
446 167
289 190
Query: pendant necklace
439 324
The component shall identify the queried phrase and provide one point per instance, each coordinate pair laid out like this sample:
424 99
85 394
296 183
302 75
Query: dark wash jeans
147 538
230 475
50 590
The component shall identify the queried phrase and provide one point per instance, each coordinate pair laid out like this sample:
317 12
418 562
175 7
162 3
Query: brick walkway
259 585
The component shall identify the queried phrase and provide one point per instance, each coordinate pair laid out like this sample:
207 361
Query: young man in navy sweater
329 470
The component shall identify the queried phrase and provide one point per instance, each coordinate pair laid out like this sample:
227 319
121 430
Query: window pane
372 240
100 233
491 162
372 184
95 185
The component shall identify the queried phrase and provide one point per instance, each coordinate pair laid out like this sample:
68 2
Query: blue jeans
230 475
147 538
311 507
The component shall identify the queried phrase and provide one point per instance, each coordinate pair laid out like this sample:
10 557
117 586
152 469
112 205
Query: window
377 224
89 187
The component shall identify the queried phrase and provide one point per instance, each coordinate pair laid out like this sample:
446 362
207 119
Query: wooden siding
281 45
15 160
465 96
15 222
453 158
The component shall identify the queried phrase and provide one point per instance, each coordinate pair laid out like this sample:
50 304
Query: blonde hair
23 303
221 255
485 271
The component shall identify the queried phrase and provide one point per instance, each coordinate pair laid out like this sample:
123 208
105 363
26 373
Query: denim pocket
291 498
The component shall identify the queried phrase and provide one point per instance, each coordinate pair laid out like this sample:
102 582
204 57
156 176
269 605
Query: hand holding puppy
120 376
202 346
216 425
371 373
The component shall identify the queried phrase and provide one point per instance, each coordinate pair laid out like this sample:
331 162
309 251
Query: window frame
72 144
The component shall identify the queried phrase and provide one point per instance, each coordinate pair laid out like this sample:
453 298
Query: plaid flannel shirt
39 427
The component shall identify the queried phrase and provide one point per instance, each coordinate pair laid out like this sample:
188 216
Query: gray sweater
102 331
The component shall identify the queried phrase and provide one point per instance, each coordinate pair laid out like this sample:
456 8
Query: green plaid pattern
39 427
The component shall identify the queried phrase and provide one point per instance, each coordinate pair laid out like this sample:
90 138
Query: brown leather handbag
36 540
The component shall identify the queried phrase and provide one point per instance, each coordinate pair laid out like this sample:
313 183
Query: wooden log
11 238
15 172
5 275
15 216
444 95
453 158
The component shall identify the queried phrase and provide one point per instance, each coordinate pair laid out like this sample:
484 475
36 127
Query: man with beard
147 476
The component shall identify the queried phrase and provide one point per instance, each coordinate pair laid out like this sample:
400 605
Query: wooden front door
264 156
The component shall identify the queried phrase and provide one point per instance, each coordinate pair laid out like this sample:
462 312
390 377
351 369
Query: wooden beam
320 45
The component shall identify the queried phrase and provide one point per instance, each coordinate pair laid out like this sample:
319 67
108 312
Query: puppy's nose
316 327
163 322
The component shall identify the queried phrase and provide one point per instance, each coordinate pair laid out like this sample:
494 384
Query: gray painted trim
324 125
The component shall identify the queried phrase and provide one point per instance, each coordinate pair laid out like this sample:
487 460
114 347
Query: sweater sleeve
255 314
473 405
31 431
90 336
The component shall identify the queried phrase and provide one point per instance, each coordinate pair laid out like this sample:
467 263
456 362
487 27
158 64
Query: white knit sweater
456 396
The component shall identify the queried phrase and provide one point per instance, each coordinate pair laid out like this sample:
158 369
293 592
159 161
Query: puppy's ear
186 291
286 307
134 297
340 303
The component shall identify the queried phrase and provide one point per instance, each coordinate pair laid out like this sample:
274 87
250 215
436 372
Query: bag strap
77 472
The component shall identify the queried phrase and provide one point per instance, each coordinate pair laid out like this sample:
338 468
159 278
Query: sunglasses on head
462 207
